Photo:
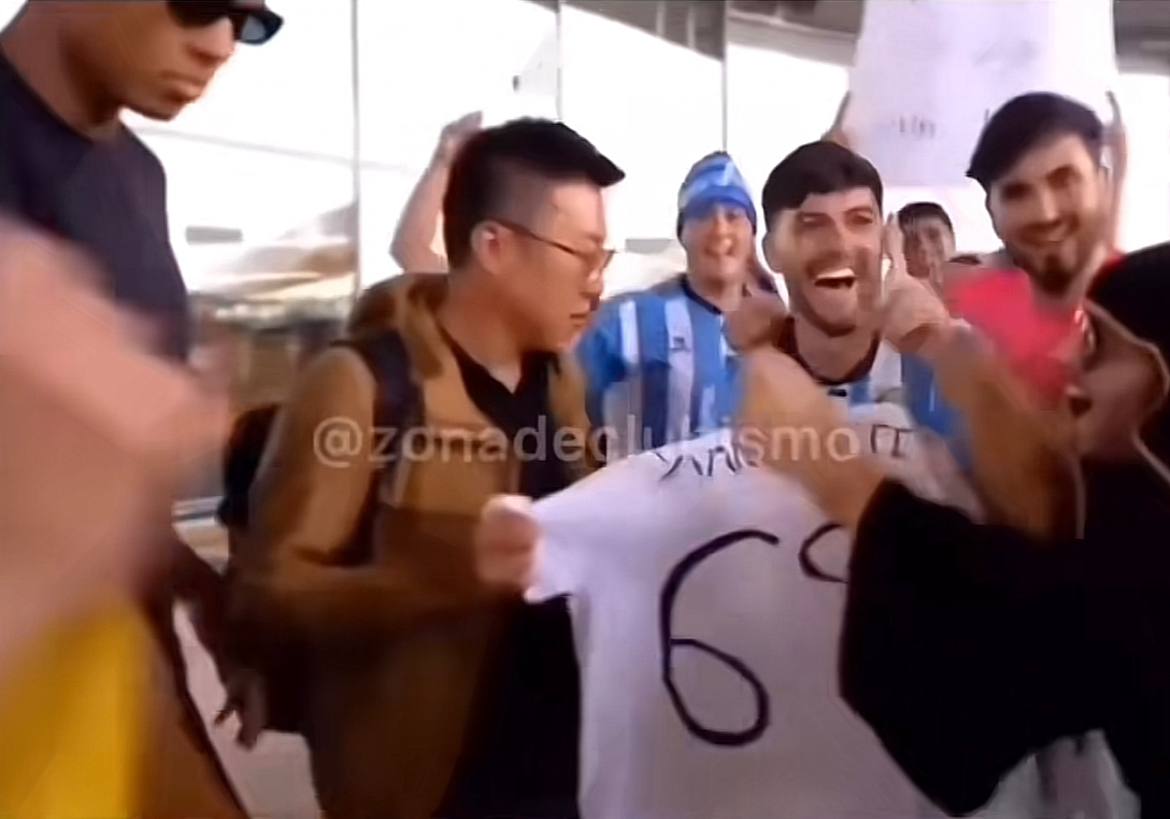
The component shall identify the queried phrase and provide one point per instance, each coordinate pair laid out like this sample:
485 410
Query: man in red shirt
1050 201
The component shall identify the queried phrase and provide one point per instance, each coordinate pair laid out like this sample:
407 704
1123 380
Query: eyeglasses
252 24
595 261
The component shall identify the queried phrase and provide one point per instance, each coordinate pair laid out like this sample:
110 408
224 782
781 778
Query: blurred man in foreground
77 701
69 166
928 240
942 611
420 692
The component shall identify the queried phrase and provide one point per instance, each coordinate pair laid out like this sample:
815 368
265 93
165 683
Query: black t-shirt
107 196
521 760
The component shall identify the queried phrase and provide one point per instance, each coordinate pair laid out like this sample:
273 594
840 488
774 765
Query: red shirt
1041 345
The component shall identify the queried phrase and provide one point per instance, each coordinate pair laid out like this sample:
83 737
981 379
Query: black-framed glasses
596 261
252 23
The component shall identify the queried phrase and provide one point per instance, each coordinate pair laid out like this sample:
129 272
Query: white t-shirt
707 599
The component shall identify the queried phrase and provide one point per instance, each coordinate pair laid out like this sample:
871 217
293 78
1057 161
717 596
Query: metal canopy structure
1140 26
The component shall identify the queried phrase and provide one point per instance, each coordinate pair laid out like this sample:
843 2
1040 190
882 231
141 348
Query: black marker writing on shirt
885 440
728 455
669 643
891 436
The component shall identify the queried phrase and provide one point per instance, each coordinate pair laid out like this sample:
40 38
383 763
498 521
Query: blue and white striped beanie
714 180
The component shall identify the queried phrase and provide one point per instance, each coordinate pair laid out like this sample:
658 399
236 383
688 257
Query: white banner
928 73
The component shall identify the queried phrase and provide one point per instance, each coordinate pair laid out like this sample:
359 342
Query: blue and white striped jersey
659 369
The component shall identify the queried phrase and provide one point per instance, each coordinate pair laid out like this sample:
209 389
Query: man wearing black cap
966 646
68 165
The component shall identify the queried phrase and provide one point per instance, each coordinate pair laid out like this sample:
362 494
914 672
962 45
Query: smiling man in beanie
658 365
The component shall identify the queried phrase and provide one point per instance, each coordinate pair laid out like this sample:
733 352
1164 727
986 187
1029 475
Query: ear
771 257
487 245
990 212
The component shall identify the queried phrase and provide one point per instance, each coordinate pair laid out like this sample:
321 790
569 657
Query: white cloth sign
928 73
707 598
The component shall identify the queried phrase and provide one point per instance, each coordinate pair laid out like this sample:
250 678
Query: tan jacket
391 648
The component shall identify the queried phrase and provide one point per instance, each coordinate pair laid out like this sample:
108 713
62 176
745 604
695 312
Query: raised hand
454 134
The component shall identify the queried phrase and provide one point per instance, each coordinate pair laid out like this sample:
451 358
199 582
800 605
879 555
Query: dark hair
1025 122
819 167
490 160
923 210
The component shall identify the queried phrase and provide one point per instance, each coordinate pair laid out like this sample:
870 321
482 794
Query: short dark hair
482 170
923 210
1025 122
818 167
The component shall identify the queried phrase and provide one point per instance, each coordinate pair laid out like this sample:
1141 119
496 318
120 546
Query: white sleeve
580 523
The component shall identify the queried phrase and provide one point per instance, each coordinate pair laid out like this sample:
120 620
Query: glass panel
655 108
1144 96
422 65
696 24
261 201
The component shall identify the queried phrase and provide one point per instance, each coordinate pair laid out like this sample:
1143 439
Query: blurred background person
928 240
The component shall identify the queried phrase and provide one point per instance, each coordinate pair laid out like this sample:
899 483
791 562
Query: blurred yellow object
72 722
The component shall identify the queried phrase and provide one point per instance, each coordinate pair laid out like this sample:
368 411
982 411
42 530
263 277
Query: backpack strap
397 406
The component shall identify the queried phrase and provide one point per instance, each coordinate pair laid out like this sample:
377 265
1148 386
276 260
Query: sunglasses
251 24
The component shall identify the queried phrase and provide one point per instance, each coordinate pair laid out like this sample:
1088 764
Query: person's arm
1020 462
1118 143
306 504
837 132
73 369
957 635
1021 457
415 234
964 645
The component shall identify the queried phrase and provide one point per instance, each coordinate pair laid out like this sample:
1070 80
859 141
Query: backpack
397 401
